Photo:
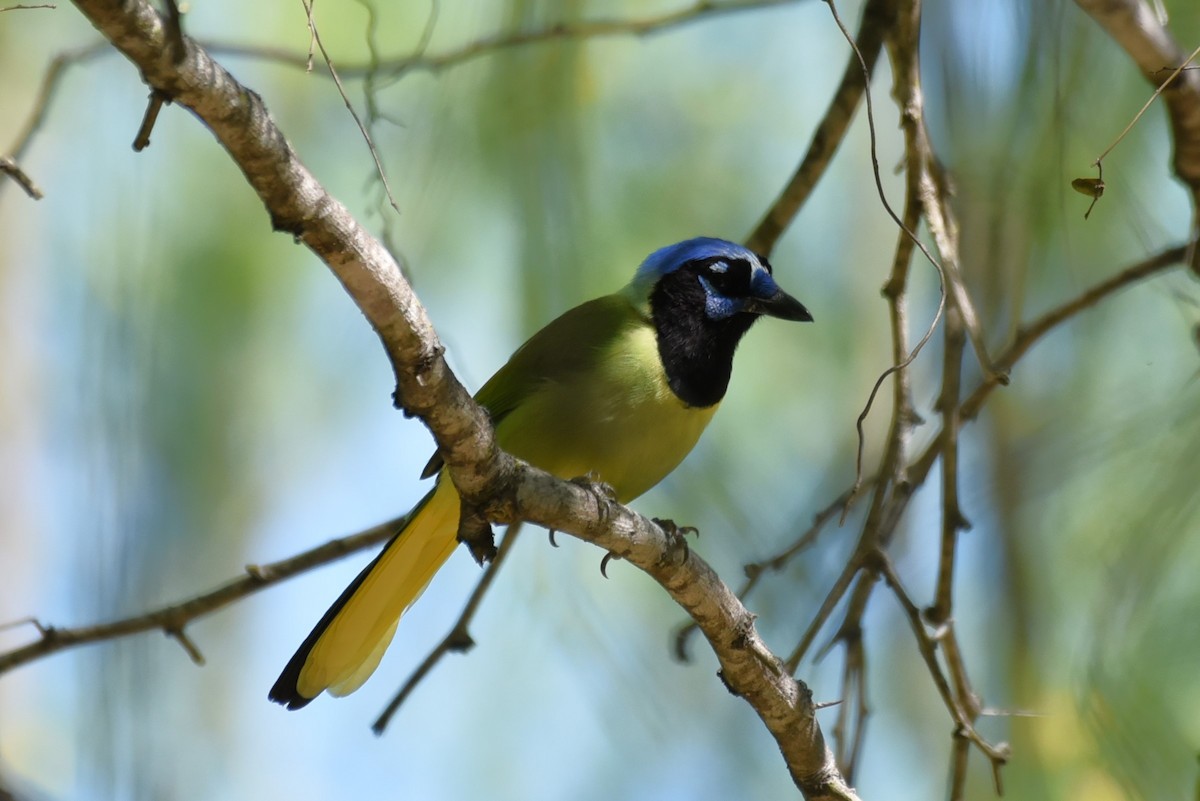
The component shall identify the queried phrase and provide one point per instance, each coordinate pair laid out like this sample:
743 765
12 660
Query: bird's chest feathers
634 385
620 421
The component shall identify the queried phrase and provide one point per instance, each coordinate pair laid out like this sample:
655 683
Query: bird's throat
696 352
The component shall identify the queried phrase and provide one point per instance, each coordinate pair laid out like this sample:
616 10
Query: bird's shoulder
573 343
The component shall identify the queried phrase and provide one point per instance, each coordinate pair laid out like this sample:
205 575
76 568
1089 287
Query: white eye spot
719 267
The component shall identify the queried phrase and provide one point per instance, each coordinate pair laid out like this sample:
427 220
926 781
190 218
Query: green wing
571 344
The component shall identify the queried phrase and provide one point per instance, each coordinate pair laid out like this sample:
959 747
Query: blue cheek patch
716 305
762 285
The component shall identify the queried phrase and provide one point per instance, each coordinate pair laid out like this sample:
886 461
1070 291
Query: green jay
618 389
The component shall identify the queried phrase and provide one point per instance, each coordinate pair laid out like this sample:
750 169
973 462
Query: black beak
781 305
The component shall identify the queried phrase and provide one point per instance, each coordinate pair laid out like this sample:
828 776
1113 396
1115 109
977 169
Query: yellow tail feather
346 646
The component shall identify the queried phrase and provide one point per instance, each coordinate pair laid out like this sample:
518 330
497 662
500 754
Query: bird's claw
593 482
476 532
608 557
676 540
601 490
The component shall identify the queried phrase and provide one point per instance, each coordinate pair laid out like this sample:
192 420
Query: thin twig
953 520
312 35
362 129
960 752
968 700
1161 88
999 753
13 170
925 197
1094 187
893 463
174 20
180 636
392 68
583 30
458 639
28 620
421 60
830 131
153 106
1031 333
375 114
173 617
821 616
851 734
956 666
27 7
903 227
918 470
1146 39
47 90
943 225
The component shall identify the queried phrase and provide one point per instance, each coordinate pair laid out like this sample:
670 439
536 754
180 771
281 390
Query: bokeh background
183 392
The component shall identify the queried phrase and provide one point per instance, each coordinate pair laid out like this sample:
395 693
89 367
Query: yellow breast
621 422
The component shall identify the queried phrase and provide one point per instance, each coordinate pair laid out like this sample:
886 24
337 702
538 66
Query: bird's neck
696 352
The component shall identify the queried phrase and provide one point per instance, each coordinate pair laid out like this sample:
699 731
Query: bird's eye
730 277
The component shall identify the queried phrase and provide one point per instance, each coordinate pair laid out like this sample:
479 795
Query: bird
617 389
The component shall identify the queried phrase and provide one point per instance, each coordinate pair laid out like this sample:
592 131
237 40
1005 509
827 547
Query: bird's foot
600 491
476 532
678 549
592 483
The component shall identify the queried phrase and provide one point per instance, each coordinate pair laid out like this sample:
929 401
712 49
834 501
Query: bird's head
715 280
702 295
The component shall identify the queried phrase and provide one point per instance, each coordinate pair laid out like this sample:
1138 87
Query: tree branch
927 645
41 105
586 29
13 170
391 68
877 18
172 619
